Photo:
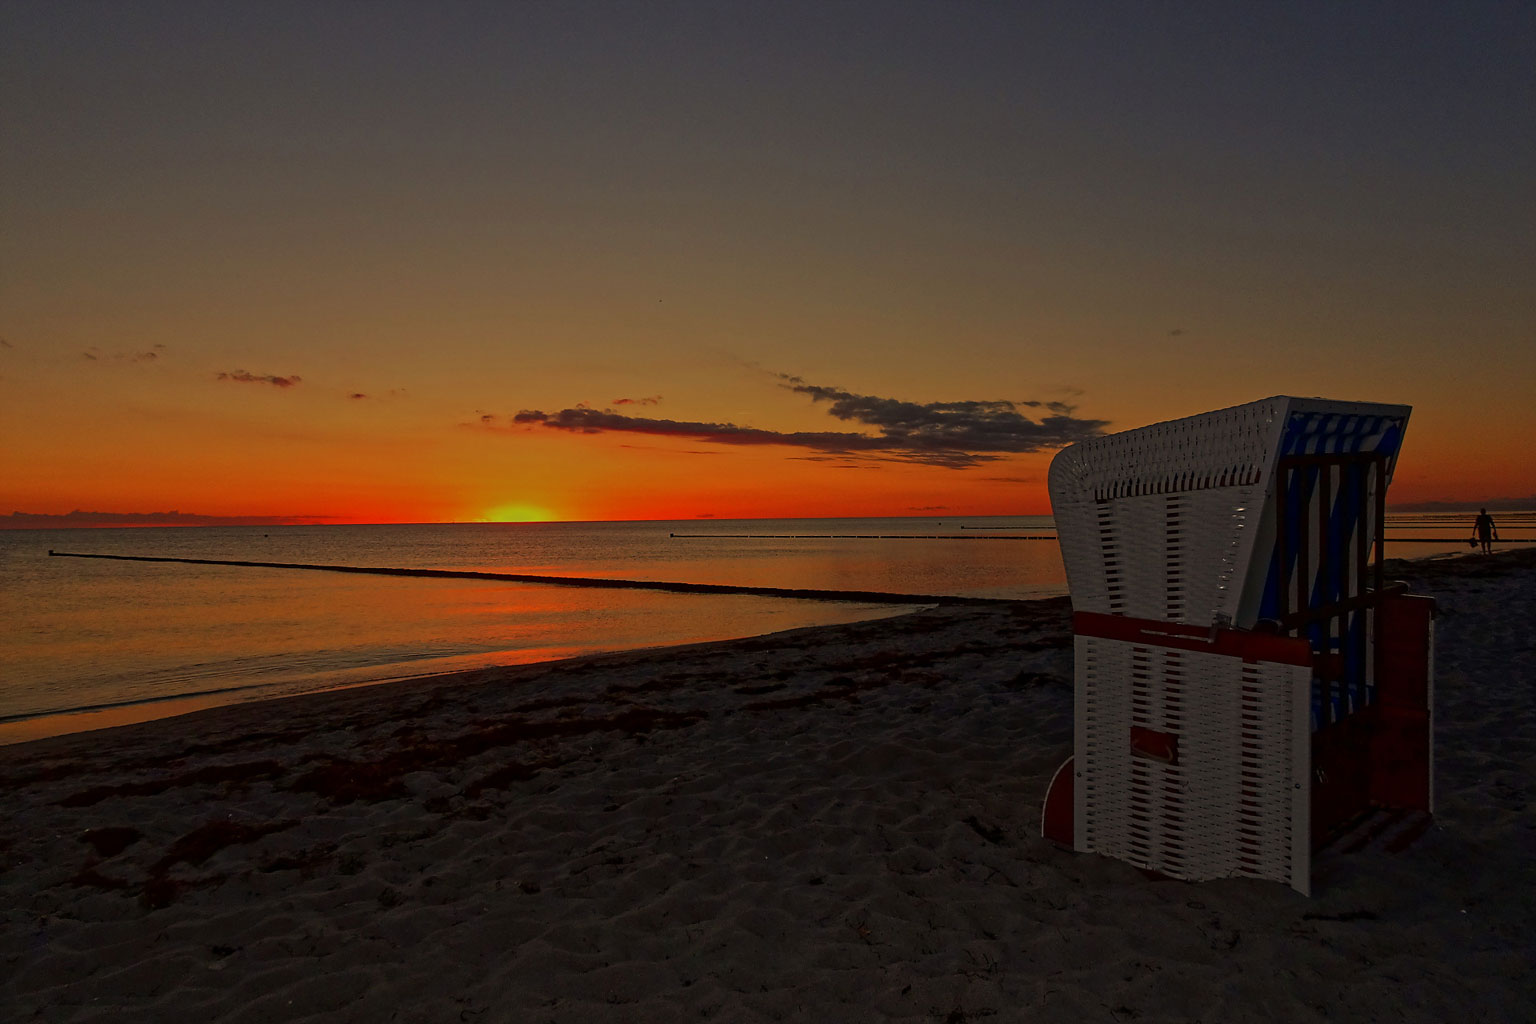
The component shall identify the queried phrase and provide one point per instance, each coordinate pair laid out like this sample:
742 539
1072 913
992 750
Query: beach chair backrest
1179 521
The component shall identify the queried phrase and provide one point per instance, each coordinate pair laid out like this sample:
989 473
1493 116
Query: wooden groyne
594 582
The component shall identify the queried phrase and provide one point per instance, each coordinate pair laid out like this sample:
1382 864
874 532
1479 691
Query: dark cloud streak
242 377
149 355
956 435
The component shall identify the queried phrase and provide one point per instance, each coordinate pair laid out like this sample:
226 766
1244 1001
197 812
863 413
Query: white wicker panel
1224 448
1089 549
1179 557
1231 805
1226 520
1160 522
1102 755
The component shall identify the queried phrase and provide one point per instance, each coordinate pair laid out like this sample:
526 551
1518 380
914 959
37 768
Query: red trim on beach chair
1057 819
1236 643
1159 746
1401 741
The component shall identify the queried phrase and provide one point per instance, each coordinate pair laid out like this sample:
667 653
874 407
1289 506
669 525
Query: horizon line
246 521
9 524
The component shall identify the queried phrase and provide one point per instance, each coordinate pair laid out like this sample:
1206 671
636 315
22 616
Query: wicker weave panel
1160 522
1179 557
1229 447
1234 802
1115 499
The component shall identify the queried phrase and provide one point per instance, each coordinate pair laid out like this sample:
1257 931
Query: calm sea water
89 643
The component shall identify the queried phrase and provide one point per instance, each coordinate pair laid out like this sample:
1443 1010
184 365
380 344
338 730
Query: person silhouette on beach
1484 530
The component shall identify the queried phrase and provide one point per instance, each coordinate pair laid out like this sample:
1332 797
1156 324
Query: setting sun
518 512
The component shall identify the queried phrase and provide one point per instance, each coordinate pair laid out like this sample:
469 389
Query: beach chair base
1247 787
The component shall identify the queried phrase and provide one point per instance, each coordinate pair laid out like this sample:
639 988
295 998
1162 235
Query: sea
88 643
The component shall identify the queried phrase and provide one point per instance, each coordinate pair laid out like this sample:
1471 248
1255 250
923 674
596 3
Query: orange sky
223 223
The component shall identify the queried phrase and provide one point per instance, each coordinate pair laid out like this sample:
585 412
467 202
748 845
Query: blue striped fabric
1326 434
1317 433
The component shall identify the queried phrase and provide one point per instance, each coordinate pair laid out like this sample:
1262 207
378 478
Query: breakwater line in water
596 582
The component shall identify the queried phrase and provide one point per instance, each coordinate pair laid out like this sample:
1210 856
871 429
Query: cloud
956 435
356 395
653 400
966 426
582 420
149 355
660 448
5 344
240 376
850 460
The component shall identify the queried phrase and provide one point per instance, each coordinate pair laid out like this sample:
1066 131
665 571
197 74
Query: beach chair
1247 686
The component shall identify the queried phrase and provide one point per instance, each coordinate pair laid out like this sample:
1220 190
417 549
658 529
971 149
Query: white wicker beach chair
1246 684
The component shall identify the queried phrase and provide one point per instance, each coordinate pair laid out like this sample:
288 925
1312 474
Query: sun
519 512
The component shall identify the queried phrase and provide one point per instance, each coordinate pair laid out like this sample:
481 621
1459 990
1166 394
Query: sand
833 824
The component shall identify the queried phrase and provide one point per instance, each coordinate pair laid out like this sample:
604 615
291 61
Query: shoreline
388 692
27 728
832 823
1424 570
508 673
16 729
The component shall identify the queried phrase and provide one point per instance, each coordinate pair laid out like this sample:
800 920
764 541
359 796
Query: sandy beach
831 824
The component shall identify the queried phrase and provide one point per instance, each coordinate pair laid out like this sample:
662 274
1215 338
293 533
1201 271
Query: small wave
159 698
